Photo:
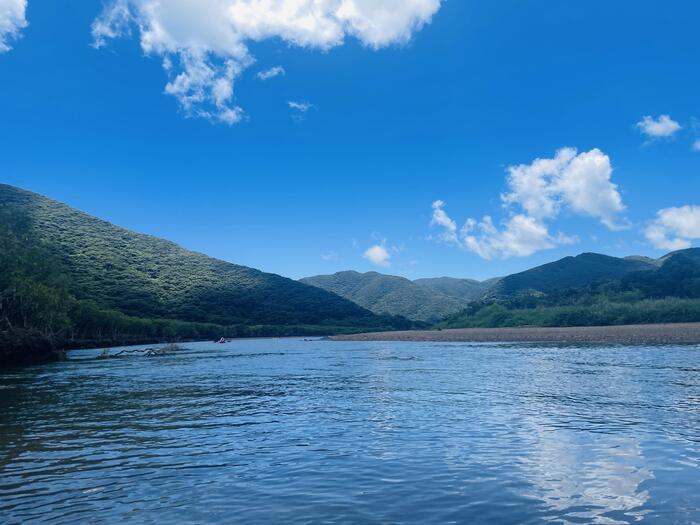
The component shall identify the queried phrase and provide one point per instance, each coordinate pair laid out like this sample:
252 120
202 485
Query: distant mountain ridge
590 290
460 289
420 300
591 275
569 272
389 294
691 253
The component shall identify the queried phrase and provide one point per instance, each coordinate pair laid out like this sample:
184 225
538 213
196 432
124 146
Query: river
291 431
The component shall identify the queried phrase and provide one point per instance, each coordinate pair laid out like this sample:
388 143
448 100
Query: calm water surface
286 431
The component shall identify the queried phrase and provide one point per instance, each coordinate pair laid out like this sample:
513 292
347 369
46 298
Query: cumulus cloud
674 228
12 21
696 145
378 255
519 236
580 183
204 43
271 73
537 193
662 127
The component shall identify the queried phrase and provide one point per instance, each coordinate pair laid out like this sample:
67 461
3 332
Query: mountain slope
665 290
461 289
144 277
569 272
389 295
677 275
690 253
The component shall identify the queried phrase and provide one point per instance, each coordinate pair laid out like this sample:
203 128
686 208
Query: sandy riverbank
686 333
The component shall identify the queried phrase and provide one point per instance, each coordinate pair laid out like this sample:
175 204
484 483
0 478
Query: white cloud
539 192
520 236
533 186
696 145
674 228
204 43
378 255
330 256
440 218
662 127
580 183
302 107
562 238
271 73
12 21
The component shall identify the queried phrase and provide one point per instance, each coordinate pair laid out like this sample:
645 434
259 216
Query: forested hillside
460 289
390 295
569 272
663 291
68 278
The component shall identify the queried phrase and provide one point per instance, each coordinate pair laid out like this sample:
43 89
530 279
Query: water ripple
285 431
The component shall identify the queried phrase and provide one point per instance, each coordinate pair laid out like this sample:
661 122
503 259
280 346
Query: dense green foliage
69 279
667 291
463 290
569 272
599 313
389 295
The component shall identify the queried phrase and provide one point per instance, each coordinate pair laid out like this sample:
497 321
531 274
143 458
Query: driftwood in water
143 352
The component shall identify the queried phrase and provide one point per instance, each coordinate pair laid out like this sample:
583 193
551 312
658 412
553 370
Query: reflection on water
584 480
286 431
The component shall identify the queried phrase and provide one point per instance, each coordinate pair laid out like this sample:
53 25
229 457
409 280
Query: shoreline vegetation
28 347
648 334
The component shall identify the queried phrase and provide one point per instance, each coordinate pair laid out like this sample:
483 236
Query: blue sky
436 106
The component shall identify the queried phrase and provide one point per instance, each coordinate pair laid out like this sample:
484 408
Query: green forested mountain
691 253
465 290
666 290
589 289
388 294
569 272
68 277
675 275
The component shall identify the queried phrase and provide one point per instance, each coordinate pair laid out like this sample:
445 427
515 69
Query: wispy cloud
330 256
661 127
271 73
12 21
440 218
300 109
